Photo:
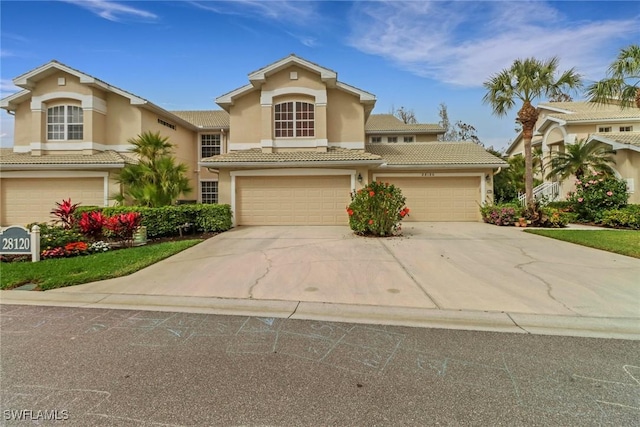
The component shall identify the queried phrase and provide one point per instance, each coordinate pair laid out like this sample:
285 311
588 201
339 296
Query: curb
521 323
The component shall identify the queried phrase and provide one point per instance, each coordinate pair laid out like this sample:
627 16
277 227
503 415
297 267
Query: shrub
64 213
377 209
544 216
99 246
626 217
124 225
501 214
164 221
592 197
92 223
54 236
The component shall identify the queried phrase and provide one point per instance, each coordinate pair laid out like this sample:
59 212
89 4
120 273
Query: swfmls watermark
33 415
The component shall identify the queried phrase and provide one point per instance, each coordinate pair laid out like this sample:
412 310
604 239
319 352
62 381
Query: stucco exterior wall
22 125
245 120
345 117
122 122
425 137
282 79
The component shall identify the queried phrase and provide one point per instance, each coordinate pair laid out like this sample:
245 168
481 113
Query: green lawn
625 242
57 273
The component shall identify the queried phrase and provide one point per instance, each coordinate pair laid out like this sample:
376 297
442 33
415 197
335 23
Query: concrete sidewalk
447 275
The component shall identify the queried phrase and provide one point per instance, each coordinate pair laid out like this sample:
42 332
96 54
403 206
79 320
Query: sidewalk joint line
516 323
294 310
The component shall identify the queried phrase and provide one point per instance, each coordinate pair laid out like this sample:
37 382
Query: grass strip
58 273
624 242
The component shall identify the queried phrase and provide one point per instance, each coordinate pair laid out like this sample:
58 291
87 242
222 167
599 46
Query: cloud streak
463 43
113 11
277 10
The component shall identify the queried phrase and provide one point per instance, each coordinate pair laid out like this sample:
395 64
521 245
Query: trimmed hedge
166 220
626 217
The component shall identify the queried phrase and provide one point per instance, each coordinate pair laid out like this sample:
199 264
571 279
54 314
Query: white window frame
64 128
626 128
215 193
375 139
604 129
295 120
411 137
389 139
210 144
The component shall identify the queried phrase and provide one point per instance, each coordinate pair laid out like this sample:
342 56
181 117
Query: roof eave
226 165
615 145
56 166
445 166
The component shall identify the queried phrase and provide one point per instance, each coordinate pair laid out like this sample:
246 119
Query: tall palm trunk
527 116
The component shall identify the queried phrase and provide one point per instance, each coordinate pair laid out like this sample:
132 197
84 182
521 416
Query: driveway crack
547 284
267 271
413 278
516 323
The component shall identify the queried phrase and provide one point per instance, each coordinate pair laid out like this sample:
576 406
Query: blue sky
181 55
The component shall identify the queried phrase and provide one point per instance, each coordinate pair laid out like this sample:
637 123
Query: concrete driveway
446 266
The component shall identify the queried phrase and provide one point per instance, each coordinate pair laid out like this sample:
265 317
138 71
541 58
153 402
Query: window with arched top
294 119
64 122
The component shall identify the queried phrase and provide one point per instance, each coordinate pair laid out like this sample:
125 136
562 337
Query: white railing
547 190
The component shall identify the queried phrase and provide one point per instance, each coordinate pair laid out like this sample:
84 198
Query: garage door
26 200
440 199
292 200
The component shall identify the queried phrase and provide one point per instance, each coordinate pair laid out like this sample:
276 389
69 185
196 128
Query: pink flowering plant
377 210
596 193
501 214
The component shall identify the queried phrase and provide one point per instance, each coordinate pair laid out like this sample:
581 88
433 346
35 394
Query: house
287 148
563 123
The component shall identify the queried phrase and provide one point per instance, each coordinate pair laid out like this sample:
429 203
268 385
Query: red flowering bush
92 223
124 225
68 250
64 213
377 210
53 253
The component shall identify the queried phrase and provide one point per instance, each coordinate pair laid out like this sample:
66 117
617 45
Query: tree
407 116
459 132
623 81
581 158
156 180
525 81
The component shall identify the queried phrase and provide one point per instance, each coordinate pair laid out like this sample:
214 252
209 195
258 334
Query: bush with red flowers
377 210
124 225
64 213
92 223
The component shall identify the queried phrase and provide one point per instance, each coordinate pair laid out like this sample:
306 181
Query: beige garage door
292 200
440 199
26 200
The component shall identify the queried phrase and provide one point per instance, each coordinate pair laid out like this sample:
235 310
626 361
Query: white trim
320 95
545 146
261 74
427 175
200 187
89 102
348 145
365 97
285 172
71 146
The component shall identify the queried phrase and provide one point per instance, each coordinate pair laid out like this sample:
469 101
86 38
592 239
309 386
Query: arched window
294 119
64 122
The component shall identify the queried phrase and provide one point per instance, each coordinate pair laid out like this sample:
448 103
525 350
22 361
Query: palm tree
525 81
623 81
581 158
156 180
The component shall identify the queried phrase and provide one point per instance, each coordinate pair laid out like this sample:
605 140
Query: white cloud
7 87
112 11
463 43
277 10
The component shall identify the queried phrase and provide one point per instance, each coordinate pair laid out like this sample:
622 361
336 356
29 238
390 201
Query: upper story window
392 139
408 139
64 122
294 119
376 139
626 128
604 128
209 145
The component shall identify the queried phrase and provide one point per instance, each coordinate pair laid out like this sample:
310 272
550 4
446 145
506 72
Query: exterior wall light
360 178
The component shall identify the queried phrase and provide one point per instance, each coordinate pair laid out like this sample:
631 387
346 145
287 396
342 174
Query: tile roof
255 155
434 153
8 157
205 118
585 111
390 123
631 138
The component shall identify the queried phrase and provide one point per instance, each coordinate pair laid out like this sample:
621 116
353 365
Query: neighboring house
288 148
563 123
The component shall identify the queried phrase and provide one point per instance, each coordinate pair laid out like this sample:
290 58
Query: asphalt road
99 367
